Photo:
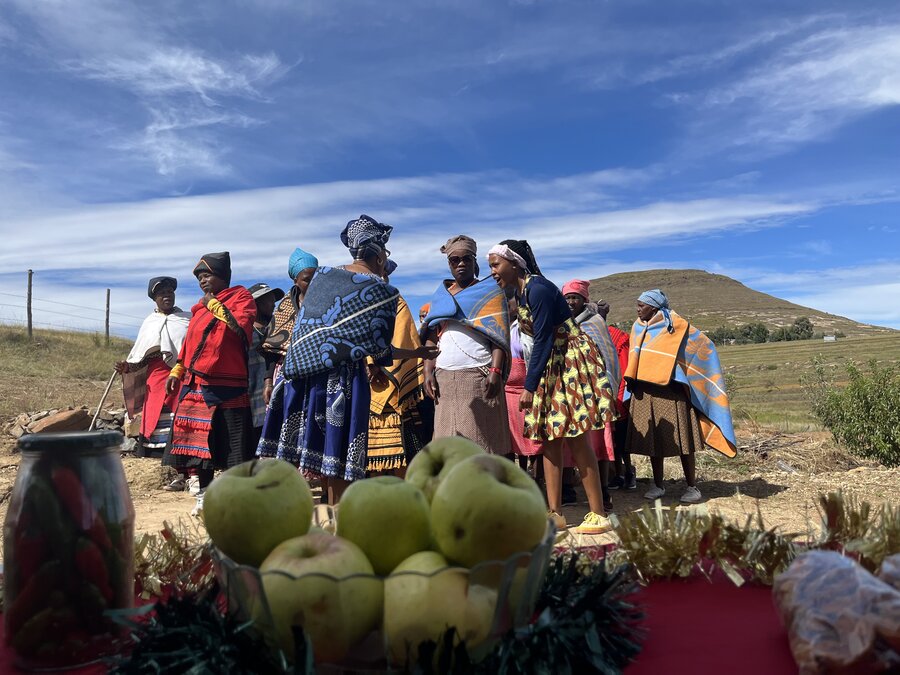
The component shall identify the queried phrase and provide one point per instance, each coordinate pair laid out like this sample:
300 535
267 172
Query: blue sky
759 140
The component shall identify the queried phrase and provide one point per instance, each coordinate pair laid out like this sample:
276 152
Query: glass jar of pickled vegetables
68 549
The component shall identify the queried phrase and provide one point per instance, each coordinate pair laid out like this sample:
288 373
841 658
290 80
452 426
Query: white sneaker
193 485
198 507
691 495
654 493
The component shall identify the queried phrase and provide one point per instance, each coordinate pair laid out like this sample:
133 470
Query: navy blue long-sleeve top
548 310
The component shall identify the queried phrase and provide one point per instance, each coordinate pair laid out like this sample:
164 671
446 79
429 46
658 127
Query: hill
714 300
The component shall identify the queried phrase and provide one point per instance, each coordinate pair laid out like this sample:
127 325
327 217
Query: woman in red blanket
212 428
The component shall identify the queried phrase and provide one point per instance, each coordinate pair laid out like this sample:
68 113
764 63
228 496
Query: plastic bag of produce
840 618
890 571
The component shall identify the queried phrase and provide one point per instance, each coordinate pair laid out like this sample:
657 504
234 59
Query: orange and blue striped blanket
687 356
481 307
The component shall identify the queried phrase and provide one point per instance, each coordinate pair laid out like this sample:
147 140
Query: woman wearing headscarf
301 268
469 321
145 370
566 392
213 427
348 314
677 393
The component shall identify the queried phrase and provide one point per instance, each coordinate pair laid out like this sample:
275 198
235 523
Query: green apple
487 508
252 507
387 518
326 585
480 609
424 598
436 459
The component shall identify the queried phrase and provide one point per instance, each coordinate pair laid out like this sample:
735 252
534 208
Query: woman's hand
432 390
121 367
267 390
376 375
172 383
526 400
427 352
493 384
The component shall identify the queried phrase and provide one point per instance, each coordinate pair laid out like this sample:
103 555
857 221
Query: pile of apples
399 561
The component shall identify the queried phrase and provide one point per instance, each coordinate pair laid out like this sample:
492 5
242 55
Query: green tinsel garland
191 635
587 623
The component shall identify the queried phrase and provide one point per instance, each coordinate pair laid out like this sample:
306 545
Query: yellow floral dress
574 395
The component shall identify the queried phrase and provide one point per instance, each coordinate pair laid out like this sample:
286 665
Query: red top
621 341
216 352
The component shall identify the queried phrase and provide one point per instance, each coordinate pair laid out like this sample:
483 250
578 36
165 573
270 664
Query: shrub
864 415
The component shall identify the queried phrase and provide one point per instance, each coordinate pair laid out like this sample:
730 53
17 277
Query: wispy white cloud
163 71
807 89
187 94
119 245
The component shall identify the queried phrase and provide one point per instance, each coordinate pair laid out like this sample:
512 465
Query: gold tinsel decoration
662 543
174 561
855 527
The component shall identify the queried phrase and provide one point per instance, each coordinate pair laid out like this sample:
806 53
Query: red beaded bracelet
495 370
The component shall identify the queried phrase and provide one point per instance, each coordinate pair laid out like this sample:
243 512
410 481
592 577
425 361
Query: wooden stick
102 400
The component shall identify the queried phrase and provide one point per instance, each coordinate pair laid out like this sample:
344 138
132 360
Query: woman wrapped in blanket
348 314
678 401
469 321
146 369
566 393
213 426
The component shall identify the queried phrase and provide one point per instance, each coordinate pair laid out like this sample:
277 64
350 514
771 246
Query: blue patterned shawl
481 307
345 316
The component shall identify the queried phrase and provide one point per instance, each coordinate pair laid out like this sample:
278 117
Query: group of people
336 377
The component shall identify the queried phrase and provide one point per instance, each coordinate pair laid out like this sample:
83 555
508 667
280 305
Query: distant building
830 338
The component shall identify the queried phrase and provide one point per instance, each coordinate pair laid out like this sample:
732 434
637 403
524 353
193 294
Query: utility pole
107 317
28 304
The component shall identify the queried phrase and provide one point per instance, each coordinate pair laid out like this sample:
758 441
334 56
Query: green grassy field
65 368
56 369
765 378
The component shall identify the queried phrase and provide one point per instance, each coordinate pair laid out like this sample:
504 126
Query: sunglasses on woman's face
455 260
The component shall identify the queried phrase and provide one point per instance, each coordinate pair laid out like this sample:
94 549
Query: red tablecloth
698 627
693 626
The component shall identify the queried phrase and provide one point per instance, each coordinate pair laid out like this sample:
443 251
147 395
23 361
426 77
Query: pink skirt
601 441
515 385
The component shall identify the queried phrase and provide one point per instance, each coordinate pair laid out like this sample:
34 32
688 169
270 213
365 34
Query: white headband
505 251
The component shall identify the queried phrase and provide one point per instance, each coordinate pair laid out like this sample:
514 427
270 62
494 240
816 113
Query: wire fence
46 314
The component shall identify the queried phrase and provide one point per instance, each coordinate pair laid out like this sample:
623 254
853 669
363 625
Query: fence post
28 304
107 317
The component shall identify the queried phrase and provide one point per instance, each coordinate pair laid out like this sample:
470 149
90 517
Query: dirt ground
779 475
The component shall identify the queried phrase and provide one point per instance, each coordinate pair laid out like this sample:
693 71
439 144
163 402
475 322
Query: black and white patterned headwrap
365 237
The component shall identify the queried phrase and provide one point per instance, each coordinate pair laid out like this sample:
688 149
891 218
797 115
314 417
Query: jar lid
70 440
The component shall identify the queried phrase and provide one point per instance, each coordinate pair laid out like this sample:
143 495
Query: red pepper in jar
71 493
90 563
31 551
33 598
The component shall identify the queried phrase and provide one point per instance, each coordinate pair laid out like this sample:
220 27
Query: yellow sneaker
594 524
558 520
